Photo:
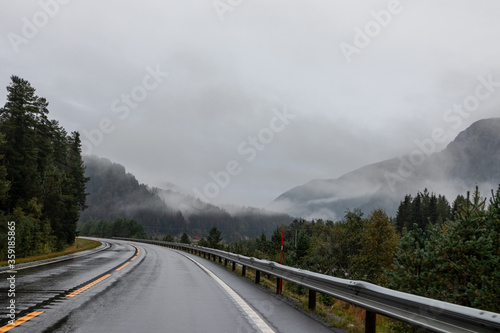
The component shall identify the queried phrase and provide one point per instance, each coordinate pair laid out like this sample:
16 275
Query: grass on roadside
81 245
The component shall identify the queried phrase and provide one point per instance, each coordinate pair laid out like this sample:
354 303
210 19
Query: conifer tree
185 238
404 213
214 238
409 271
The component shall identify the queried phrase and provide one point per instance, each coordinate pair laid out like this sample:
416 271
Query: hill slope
114 193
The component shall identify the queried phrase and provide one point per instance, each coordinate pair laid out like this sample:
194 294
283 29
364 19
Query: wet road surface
147 288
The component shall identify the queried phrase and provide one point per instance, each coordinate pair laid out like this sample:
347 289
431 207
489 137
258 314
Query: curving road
146 288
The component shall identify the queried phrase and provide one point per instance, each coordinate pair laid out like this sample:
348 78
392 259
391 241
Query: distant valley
113 193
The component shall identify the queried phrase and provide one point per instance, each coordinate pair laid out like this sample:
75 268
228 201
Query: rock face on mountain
472 158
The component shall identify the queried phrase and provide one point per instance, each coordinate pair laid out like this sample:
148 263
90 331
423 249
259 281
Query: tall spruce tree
404 213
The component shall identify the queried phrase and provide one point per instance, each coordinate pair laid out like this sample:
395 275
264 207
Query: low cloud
227 75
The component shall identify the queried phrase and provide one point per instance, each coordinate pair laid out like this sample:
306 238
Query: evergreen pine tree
185 238
404 213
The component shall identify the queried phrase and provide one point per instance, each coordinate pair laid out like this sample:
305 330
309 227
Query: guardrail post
225 262
312 299
278 285
215 257
220 260
370 322
257 277
243 270
234 266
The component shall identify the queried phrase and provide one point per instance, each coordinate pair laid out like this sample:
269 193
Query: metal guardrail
426 313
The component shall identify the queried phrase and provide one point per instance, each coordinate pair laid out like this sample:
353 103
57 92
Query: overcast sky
262 95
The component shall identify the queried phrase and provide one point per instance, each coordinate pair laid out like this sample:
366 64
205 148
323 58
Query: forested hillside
114 193
435 249
42 182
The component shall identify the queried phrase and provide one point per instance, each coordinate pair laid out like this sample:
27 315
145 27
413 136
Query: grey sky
234 65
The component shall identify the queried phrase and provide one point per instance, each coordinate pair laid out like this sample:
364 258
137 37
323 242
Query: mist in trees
42 182
114 193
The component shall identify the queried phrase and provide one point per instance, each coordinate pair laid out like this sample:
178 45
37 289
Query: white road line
257 321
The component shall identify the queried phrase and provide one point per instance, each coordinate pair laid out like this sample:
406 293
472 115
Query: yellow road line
136 254
76 292
19 321
123 266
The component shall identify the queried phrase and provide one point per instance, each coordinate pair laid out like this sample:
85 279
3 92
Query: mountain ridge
468 160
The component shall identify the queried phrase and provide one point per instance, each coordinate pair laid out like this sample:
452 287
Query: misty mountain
113 193
472 158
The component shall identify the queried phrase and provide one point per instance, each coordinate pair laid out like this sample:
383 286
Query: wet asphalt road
160 290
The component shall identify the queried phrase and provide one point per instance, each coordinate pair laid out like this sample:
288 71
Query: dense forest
114 193
42 182
109 229
433 249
